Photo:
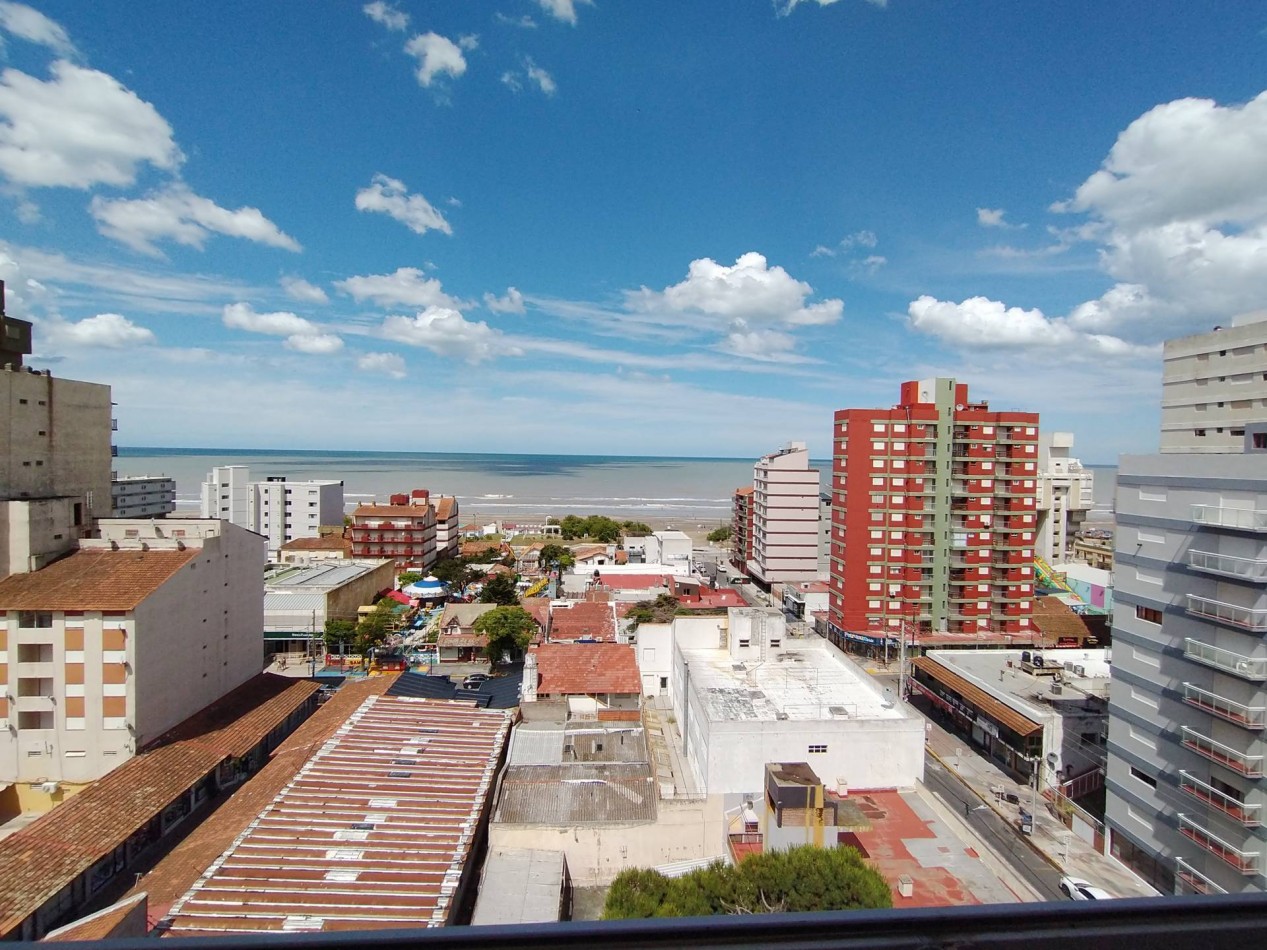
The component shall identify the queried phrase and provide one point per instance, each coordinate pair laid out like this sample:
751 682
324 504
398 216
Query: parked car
475 680
1075 888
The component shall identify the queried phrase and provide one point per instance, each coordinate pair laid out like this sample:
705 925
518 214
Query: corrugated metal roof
324 576
374 831
285 601
521 887
578 793
533 746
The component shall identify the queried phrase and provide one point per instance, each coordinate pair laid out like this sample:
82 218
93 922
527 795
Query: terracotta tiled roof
583 619
331 542
393 511
93 580
238 721
179 871
1056 619
470 548
47 855
539 607
446 508
100 925
568 669
581 551
746 490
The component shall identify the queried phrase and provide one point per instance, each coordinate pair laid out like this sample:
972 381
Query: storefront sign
986 726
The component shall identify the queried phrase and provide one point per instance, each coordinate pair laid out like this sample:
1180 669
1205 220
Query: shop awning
978 698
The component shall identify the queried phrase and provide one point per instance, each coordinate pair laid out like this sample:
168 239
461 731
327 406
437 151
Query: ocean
692 490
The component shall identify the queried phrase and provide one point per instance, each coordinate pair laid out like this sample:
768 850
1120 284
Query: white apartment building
1212 385
1065 495
107 648
785 530
279 509
143 496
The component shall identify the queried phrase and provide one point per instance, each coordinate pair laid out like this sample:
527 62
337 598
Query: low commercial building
325 547
51 870
142 496
383 827
111 646
763 696
299 599
1028 710
524 886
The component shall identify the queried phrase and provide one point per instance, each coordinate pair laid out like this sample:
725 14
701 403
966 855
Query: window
35 619
1151 614
744 643
816 749
1143 777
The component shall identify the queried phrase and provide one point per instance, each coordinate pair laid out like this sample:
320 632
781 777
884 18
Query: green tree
555 553
661 610
573 527
339 633
457 573
602 529
408 577
799 879
635 529
373 629
509 630
718 535
500 589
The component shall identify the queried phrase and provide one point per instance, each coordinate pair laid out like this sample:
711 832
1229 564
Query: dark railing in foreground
1235 922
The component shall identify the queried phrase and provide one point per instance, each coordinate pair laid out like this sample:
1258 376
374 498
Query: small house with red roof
594 680
586 620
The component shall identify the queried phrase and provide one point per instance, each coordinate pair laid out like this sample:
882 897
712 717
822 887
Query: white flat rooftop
803 682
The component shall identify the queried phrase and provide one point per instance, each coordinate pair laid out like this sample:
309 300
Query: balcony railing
1217 516
1251 717
1193 881
1233 615
1248 814
1246 667
1225 565
1247 862
1251 766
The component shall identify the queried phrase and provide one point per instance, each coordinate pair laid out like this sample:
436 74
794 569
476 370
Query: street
1002 837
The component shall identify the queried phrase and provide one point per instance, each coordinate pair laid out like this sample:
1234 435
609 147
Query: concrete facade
934 515
1187 709
277 508
1213 385
762 697
1065 495
87 687
143 496
785 507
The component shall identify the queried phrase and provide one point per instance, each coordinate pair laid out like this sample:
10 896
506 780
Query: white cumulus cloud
513 302
750 290
17 19
386 15
994 218
979 322
446 332
299 289
540 78
385 364
785 7
105 330
564 10
390 196
80 128
175 213
405 287
772 346
302 335
437 55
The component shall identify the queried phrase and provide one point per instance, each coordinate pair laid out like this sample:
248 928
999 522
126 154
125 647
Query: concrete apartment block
785 506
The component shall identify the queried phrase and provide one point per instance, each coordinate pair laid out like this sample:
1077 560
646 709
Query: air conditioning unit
1079 671
1069 667
49 788
1242 666
1056 689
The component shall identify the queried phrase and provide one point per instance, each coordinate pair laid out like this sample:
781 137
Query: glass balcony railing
1233 615
1251 717
1247 862
1193 881
1225 565
1246 667
1217 516
1251 766
1248 814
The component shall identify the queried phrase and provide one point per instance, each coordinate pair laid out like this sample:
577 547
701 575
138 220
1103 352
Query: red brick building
933 518
741 528
405 530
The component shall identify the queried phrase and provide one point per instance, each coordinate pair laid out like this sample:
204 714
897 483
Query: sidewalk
1060 846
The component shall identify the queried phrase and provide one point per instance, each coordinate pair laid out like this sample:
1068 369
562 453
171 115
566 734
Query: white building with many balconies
1065 495
785 512
279 509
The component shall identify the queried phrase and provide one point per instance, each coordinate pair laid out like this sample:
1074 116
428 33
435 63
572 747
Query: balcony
1193 881
1245 667
1247 862
1250 766
1251 717
1248 814
1225 565
1231 615
1242 519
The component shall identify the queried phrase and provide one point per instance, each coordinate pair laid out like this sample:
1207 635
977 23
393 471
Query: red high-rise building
933 518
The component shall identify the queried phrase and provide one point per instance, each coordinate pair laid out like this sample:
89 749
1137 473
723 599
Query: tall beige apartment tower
785 508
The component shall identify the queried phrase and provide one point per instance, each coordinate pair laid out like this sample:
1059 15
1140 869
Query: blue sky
635 228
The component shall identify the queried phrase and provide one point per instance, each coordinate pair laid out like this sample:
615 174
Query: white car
1075 888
